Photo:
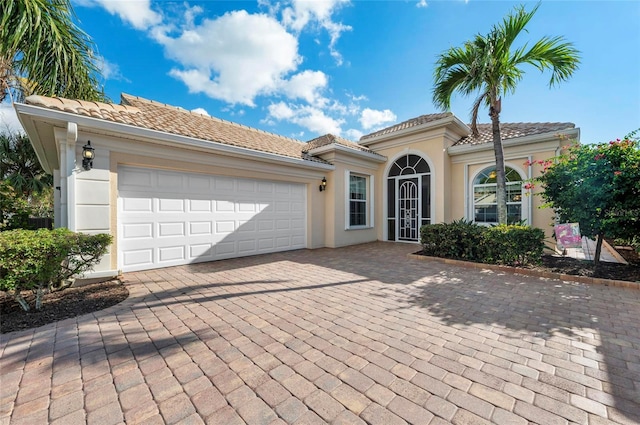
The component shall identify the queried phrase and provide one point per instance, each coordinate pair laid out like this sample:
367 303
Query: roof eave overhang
573 133
29 114
28 124
349 151
458 127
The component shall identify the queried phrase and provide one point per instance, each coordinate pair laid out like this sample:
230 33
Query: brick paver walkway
346 336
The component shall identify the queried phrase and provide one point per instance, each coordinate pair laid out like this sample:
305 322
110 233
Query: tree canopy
597 186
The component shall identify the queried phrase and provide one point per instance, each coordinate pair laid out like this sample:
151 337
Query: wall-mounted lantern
87 156
323 184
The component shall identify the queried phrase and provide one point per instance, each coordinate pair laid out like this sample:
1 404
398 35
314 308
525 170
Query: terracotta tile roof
508 130
413 122
513 131
329 139
152 115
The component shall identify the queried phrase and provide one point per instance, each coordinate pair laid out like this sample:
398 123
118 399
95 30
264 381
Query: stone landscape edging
529 272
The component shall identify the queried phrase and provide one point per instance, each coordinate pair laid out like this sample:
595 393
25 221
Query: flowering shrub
597 186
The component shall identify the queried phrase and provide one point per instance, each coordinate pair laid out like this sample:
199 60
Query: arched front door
408 198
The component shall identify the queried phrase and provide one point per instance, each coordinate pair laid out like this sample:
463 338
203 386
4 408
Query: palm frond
44 45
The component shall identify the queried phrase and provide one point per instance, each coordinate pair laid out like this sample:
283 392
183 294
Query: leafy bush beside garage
512 245
45 260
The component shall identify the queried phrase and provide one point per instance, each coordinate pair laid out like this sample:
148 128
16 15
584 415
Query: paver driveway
352 335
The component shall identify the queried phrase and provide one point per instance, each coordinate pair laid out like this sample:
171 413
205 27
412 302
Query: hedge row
512 245
40 260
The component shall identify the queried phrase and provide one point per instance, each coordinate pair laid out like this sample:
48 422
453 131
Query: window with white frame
485 206
358 200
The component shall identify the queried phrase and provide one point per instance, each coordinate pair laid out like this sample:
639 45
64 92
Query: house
175 187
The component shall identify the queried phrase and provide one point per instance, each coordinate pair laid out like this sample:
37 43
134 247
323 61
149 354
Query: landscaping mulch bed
90 298
60 305
615 271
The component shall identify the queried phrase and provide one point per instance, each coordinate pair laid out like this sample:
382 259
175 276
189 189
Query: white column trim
70 166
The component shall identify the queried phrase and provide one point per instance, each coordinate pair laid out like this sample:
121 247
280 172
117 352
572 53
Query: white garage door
170 218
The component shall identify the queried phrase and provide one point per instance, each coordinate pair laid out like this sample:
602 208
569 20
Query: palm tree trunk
501 184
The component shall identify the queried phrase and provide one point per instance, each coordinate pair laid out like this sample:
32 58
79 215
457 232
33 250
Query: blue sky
305 68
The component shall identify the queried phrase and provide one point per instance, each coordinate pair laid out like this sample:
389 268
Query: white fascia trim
161 136
341 148
542 137
452 119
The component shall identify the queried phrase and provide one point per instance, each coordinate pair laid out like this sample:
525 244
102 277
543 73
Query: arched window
485 206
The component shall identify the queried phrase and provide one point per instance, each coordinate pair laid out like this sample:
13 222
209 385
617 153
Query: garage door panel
171 205
171 253
171 229
243 207
283 224
137 230
198 184
137 205
225 206
171 182
135 179
199 205
265 188
246 226
137 258
223 184
265 225
247 186
179 218
225 247
201 251
265 244
200 228
247 246
223 227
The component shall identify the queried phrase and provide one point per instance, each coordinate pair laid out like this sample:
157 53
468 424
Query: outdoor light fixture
87 156
323 184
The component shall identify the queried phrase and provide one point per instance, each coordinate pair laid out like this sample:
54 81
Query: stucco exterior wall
466 166
336 195
92 199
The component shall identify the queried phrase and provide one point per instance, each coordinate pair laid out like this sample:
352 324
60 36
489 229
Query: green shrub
14 210
464 240
40 260
459 239
513 245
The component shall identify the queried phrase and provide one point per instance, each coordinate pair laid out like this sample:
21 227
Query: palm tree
20 167
488 66
42 51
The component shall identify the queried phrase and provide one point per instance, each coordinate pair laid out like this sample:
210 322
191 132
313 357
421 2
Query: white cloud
280 111
305 12
307 85
371 118
138 13
353 134
422 3
9 119
226 61
201 111
309 117
109 70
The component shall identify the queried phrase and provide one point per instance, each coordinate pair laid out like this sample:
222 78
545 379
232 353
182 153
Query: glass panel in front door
408 213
